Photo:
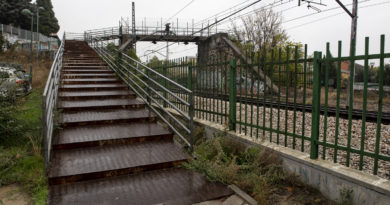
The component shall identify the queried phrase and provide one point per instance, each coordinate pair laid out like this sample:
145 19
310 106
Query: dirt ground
13 195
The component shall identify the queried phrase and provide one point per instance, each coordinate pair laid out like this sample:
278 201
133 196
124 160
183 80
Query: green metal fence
304 112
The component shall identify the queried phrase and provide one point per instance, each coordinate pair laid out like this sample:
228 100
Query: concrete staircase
110 149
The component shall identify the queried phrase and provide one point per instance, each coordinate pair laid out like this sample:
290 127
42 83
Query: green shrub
254 170
11 128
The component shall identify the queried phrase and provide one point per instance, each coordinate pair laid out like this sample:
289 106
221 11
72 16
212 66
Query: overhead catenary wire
216 22
326 10
189 3
281 2
312 14
211 17
274 4
337 14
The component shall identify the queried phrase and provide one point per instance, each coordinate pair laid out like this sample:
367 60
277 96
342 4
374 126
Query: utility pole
352 52
39 43
27 12
167 52
167 33
352 49
133 26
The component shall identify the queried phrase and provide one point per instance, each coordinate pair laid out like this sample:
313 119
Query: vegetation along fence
308 111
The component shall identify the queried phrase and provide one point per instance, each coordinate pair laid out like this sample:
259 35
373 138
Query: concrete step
97 135
90 81
171 186
85 64
85 95
88 75
86 71
104 117
99 104
84 67
113 160
94 87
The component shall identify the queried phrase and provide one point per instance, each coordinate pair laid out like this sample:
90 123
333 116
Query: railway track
371 116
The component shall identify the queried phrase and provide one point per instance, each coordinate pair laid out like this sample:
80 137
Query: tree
2 42
260 31
10 13
48 23
154 63
332 73
386 75
372 74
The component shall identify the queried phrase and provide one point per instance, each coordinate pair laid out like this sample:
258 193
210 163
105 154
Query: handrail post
148 88
232 95
164 67
191 107
315 122
44 126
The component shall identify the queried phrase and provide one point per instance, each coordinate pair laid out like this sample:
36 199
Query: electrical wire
241 9
230 12
330 9
337 14
192 1
311 14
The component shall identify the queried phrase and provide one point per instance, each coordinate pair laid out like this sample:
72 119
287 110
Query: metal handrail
74 36
49 100
131 72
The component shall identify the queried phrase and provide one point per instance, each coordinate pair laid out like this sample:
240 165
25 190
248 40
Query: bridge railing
49 101
74 36
115 32
146 83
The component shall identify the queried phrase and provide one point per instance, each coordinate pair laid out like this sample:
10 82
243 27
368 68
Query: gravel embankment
356 132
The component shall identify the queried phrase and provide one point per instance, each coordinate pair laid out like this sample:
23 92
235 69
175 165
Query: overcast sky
315 30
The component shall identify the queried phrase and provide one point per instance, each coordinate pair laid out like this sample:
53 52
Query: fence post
191 107
315 122
164 67
148 98
232 94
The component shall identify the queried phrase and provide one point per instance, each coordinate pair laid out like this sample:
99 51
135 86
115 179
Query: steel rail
49 100
156 92
149 99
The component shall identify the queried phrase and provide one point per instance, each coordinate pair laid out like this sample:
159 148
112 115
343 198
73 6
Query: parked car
13 79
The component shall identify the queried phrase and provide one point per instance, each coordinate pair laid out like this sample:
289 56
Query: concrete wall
327 177
211 47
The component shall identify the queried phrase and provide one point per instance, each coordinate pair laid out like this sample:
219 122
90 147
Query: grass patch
21 159
257 171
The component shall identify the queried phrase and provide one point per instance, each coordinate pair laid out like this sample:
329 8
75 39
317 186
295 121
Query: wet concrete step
74 105
171 186
87 75
86 71
71 95
97 135
98 61
94 87
110 116
84 67
91 81
113 160
85 64
91 57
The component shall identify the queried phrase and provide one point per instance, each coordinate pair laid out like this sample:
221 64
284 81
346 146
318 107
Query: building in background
23 38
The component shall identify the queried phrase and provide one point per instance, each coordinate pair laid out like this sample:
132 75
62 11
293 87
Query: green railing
308 111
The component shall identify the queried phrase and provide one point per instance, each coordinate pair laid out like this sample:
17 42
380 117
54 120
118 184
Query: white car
14 80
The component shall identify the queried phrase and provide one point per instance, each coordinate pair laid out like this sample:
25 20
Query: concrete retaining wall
331 179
